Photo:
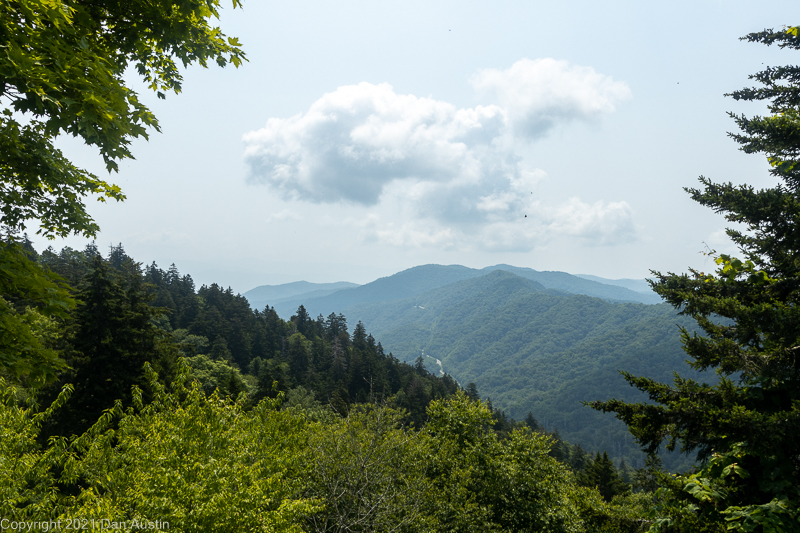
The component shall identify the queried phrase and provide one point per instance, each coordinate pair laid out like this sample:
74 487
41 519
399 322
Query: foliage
199 464
62 66
31 298
534 350
745 428
28 487
368 470
602 474
368 473
249 349
109 340
481 484
194 462
217 376
623 514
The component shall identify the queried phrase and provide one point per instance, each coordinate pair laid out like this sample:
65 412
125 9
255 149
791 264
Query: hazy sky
363 138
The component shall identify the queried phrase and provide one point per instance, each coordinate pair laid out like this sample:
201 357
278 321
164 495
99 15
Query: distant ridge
638 285
614 290
404 284
419 279
272 294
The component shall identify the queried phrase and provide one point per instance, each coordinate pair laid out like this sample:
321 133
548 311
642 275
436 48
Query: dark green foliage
481 483
647 478
214 322
33 302
472 392
602 474
109 340
63 70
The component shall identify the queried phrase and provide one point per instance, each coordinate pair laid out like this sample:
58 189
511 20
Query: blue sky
363 138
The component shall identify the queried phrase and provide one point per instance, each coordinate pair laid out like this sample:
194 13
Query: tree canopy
62 67
62 64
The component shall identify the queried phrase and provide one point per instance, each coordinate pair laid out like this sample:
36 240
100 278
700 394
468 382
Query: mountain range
539 342
325 298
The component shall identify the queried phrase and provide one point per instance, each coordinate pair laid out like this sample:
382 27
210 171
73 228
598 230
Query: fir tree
110 340
745 428
602 474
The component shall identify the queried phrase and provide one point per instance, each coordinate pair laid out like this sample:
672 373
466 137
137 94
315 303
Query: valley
539 342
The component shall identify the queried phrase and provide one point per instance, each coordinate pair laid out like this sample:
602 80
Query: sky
363 138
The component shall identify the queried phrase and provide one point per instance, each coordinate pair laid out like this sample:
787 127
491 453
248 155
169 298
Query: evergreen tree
746 428
647 478
531 422
302 321
298 356
111 338
472 392
602 474
419 366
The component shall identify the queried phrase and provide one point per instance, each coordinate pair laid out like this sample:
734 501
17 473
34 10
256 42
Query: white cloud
422 172
355 140
538 94
719 242
514 223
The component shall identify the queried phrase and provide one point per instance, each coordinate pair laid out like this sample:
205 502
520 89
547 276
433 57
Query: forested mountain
579 285
229 346
120 387
422 278
530 348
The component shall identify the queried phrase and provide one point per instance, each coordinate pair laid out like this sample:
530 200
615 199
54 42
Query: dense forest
142 341
131 399
228 346
535 349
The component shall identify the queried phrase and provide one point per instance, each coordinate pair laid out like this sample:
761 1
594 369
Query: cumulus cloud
538 94
426 173
517 225
354 141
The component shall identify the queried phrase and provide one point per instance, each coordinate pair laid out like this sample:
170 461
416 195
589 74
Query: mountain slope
419 279
272 294
607 289
401 285
536 349
637 285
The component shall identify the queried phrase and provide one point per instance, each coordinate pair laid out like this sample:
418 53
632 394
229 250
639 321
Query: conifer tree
745 428
110 340
602 474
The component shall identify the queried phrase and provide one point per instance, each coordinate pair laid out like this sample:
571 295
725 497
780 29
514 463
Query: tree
472 392
110 340
62 66
302 320
602 474
745 428
368 472
31 299
481 483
